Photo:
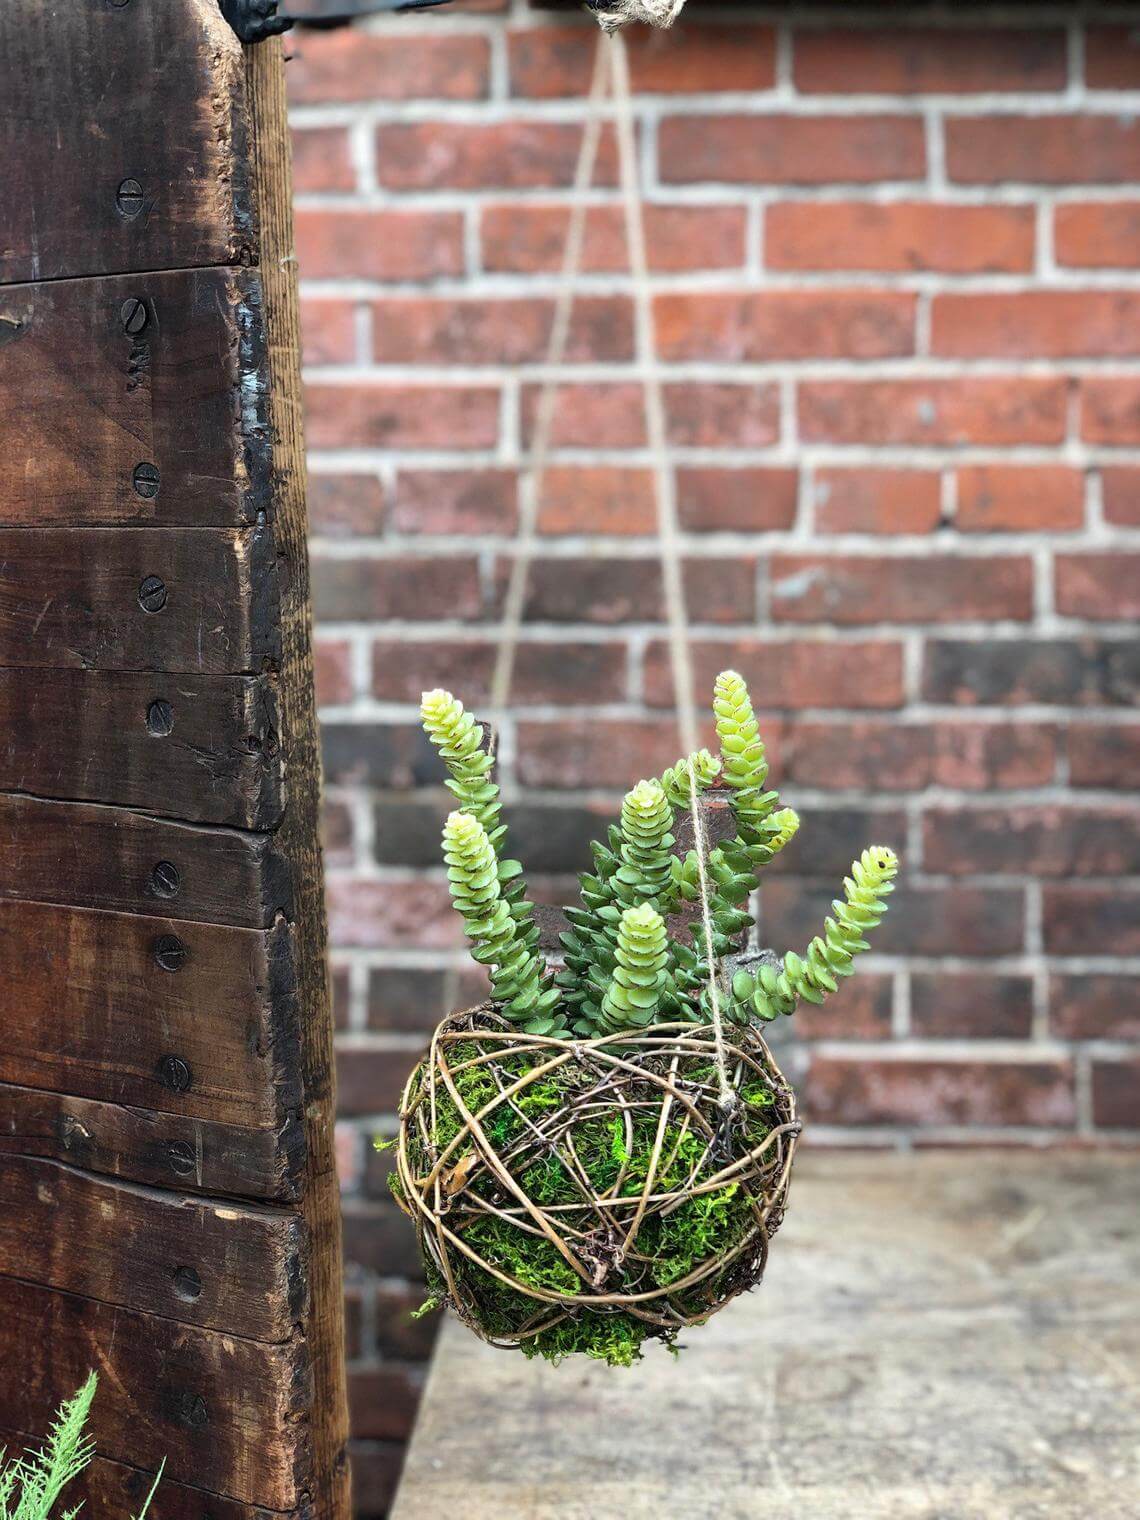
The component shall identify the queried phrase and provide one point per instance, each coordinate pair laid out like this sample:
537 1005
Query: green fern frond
641 976
42 1476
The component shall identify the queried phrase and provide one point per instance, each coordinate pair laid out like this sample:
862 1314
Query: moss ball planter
588 1195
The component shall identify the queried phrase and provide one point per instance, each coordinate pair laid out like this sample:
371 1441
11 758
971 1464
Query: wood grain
81 116
89 1011
226 1413
84 736
199 1262
99 857
85 402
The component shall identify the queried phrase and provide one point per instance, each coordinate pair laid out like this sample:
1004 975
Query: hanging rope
618 13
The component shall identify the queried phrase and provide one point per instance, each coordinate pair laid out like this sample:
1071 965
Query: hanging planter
601 1154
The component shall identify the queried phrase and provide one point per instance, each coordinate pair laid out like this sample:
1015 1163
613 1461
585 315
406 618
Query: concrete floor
943 1336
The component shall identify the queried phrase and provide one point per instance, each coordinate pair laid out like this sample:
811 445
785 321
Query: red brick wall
897 282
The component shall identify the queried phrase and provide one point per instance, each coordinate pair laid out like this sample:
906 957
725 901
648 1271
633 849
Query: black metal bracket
254 20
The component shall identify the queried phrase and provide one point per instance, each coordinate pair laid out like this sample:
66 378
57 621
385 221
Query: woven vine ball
587 1195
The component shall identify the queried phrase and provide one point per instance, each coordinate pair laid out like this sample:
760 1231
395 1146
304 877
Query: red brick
333 661
625 590
859 1010
376 1465
377 1236
850 1090
1112 57
336 833
1116 1093
471 502
971 1006
709 415
1092 920
1055 324
913 756
877 501
412 999
598 415
428 330
1066 672
397 1333
339 243
1091 1007
746 500
502 155
601 753
560 673
328 331
339 979
1110 409
894 590
601 499
343 506
548 63
321 160
532 239
806 673
353 1328
939 413
369 1078
382 1401
1045 840
391 914
786 324
923 920
1105 755
929 60
1120 486
790 150
353 65
368 589
1043 150
899 236
1098 585
1097 234
401 416
995 498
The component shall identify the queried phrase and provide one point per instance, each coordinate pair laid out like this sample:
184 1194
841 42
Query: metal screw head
129 198
173 1072
180 1157
166 879
152 594
146 480
134 316
169 952
159 718
187 1283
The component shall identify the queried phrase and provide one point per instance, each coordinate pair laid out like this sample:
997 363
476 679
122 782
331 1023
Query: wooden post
168 1197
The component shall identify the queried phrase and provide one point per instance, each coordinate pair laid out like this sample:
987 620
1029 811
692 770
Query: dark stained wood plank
299 837
89 1010
87 856
84 402
226 1413
200 601
201 1262
202 748
160 1149
92 185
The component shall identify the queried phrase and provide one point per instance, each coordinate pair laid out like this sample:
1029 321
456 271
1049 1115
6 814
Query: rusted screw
166 879
187 1283
173 1072
169 952
192 1410
146 480
129 198
152 594
134 316
180 1157
159 718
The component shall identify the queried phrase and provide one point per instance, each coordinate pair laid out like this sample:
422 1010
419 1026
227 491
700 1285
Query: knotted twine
619 13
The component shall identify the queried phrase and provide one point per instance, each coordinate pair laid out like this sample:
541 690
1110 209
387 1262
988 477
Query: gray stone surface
943 1336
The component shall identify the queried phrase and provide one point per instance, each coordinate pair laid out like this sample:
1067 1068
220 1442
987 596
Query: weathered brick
913 756
378 245
741 500
403 998
1090 1007
562 673
353 65
1097 234
598 415
1120 489
526 239
1098 585
895 590
836 836
1110 409
971 1006
469 502
850 1090
549 62
905 60
1044 150
332 659
345 506
1032 324
378 1236
1092 920
1055 672
339 979
938 412
790 150
605 499
1104 755
398 1335
376 1465
501 155
550 838
389 754
877 500
378 590
789 674
1116 1093
710 415
328 331
859 1010
1112 57
336 832
321 160
994 498
923 919
793 324
370 1079
401 416
433 330
599 753
899 236
1045 840
391 914
628 590
382 1401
